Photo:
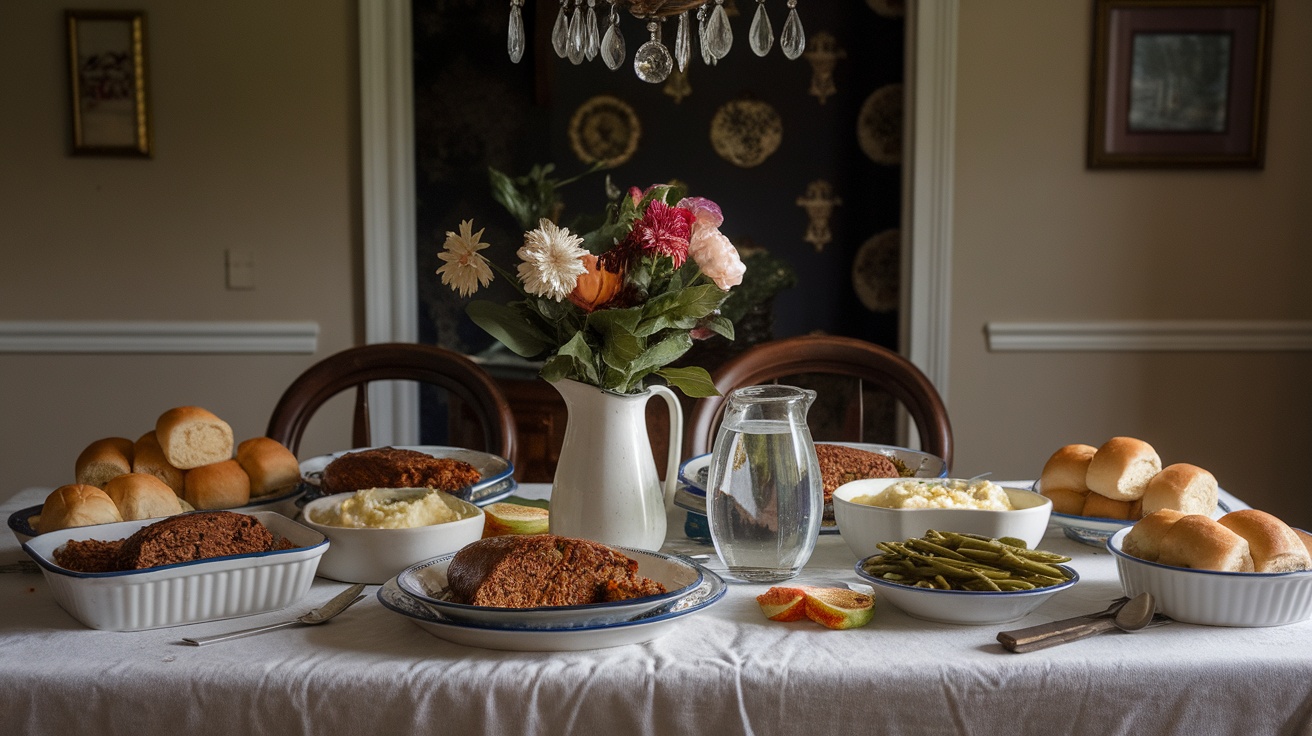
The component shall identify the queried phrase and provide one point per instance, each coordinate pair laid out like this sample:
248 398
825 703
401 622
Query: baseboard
1151 335
159 337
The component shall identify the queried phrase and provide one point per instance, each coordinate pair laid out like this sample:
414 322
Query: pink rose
706 211
716 257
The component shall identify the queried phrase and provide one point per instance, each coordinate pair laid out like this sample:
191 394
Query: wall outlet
240 269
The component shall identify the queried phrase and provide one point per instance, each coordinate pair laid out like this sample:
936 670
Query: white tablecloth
724 671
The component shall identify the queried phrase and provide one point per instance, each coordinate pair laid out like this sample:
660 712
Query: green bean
957 561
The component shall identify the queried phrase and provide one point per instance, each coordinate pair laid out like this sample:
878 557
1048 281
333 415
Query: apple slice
513 518
839 608
783 604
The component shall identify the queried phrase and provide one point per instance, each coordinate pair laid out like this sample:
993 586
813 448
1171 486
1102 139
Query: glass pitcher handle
676 441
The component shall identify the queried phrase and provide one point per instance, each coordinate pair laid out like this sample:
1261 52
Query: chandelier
576 34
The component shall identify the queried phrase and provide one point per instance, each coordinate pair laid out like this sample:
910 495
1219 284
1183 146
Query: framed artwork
1179 83
107 68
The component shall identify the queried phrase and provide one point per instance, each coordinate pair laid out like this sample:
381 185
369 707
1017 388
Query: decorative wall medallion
746 132
819 202
677 85
888 8
877 272
879 125
604 128
823 51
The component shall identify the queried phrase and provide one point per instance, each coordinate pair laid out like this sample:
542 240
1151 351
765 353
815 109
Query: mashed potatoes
383 508
940 494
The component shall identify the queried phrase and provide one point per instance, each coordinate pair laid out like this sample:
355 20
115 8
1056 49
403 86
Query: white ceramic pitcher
605 488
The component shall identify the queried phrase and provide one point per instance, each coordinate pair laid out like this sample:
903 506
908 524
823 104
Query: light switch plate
240 269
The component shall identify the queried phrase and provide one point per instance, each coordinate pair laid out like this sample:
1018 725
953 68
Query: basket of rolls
1097 491
1247 568
186 462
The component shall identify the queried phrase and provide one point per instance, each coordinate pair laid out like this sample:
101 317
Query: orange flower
596 287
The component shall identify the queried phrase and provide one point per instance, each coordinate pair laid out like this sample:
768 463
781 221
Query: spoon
1133 615
339 603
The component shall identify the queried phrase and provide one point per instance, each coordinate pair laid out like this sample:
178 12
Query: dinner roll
1182 487
1122 467
1100 506
1067 468
102 460
1201 543
1306 539
1066 501
76 504
1273 545
148 457
191 437
222 485
142 496
269 465
1145 538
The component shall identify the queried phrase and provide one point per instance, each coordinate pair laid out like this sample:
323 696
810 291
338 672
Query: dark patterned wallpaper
810 139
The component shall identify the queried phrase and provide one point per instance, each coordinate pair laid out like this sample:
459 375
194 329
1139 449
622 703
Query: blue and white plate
496 472
639 629
426 583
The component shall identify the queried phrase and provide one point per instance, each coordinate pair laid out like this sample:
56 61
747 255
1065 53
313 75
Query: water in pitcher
765 499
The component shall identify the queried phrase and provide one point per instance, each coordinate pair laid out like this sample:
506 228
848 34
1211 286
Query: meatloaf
839 465
182 538
520 571
389 467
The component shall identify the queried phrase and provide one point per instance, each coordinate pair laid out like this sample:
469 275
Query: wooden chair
839 356
358 366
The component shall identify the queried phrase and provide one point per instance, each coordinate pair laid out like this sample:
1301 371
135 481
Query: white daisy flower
552 261
465 269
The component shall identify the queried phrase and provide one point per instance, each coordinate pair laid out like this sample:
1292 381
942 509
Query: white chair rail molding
57 336
1150 335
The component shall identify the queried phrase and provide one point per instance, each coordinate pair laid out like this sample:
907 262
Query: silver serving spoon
1132 615
339 603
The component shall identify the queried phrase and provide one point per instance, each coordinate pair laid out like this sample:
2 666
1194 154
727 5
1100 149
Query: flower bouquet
611 307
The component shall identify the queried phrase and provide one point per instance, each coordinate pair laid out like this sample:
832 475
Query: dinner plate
637 630
1095 531
426 582
23 521
496 472
694 475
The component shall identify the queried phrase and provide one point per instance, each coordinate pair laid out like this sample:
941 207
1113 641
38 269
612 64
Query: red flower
662 231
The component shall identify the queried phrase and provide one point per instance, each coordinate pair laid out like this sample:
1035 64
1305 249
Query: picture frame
108 91
1179 84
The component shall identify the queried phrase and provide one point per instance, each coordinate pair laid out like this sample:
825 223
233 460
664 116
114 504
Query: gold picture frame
107 71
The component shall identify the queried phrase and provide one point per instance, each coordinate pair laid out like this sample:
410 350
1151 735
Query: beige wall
255 112
1040 238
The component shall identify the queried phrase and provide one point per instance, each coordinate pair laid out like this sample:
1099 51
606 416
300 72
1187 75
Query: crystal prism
701 37
683 43
515 37
761 35
792 40
612 46
591 36
718 33
560 32
575 49
653 62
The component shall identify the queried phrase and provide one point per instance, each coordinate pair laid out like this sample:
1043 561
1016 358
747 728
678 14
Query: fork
322 614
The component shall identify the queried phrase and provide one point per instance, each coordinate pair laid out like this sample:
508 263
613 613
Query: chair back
357 367
828 354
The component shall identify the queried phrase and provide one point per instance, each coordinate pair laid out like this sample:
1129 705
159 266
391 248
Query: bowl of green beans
956 578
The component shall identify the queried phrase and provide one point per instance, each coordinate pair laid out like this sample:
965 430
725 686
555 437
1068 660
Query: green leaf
720 325
679 310
693 381
663 353
508 195
510 326
574 360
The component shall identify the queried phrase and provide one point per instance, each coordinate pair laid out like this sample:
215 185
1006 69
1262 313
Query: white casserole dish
185 593
1216 598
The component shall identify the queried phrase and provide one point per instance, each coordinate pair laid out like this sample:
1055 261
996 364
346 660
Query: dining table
723 670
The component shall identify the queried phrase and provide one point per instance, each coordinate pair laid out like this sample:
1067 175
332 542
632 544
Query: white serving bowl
863 527
185 593
374 556
963 606
1216 598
